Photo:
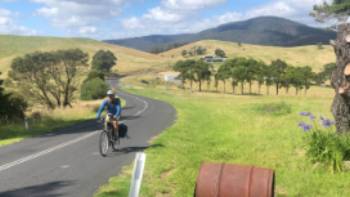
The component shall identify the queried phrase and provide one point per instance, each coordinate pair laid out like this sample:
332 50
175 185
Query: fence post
137 175
26 124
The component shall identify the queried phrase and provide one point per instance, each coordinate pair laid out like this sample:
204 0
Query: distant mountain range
267 30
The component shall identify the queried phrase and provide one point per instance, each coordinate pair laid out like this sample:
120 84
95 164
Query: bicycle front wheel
104 144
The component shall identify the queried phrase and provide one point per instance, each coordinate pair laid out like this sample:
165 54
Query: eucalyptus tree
339 10
50 78
307 77
278 69
224 73
103 61
220 53
268 78
186 70
240 71
261 70
252 67
202 72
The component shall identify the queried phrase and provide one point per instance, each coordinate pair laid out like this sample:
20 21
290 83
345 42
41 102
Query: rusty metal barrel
226 180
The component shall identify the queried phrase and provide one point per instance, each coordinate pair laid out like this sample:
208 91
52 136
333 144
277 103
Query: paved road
67 163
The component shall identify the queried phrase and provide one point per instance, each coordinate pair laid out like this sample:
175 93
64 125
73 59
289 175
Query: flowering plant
324 145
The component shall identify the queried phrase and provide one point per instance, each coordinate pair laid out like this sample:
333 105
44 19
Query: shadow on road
128 107
134 149
48 190
129 117
83 127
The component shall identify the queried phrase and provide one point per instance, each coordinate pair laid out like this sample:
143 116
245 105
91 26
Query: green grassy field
233 129
297 56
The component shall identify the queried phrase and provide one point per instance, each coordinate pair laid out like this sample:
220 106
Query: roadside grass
298 56
232 129
49 120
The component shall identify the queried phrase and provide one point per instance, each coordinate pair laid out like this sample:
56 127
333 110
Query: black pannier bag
123 130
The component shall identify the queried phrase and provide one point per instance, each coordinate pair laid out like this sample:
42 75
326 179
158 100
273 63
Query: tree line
241 71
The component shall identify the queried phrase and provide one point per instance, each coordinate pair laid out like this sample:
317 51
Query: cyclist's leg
115 126
107 120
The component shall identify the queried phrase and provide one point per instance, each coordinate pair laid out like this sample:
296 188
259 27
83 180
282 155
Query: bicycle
108 138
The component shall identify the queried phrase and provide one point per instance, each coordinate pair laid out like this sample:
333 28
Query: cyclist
113 106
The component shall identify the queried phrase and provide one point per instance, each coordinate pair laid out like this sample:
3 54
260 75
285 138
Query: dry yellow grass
129 60
297 56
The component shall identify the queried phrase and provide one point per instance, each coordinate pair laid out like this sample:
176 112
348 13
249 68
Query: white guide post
137 175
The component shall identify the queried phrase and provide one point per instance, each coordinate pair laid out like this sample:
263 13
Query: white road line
63 145
146 105
45 152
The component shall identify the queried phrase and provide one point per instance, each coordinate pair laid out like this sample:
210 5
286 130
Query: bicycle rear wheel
104 144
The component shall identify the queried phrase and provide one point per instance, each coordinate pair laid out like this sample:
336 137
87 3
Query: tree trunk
268 90
224 87
277 89
233 88
208 86
200 85
259 88
250 87
341 102
242 88
191 85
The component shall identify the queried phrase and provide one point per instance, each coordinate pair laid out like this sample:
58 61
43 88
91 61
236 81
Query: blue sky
105 19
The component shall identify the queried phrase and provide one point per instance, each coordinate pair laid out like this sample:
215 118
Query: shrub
12 108
323 144
95 74
93 89
276 109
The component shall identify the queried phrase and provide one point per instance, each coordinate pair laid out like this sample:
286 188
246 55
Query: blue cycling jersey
112 108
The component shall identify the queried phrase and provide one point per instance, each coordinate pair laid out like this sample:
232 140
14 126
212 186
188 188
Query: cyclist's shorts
108 119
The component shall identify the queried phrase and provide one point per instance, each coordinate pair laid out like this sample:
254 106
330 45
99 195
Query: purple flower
305 113
305 126
301 124
312 117
327 122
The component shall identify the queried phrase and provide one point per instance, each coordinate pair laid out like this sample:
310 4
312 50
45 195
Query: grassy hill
266 30
129 60
298 56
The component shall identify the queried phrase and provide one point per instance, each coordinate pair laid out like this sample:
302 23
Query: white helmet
110 93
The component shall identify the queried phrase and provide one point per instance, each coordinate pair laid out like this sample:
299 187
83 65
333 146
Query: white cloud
278 8
9 26
162 15
132 23
169 15
48 11
75 16
87 30
190 4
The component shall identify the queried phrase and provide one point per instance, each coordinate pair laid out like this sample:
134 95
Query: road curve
67 162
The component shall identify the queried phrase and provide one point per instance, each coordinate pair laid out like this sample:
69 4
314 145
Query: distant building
171 77
213 59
